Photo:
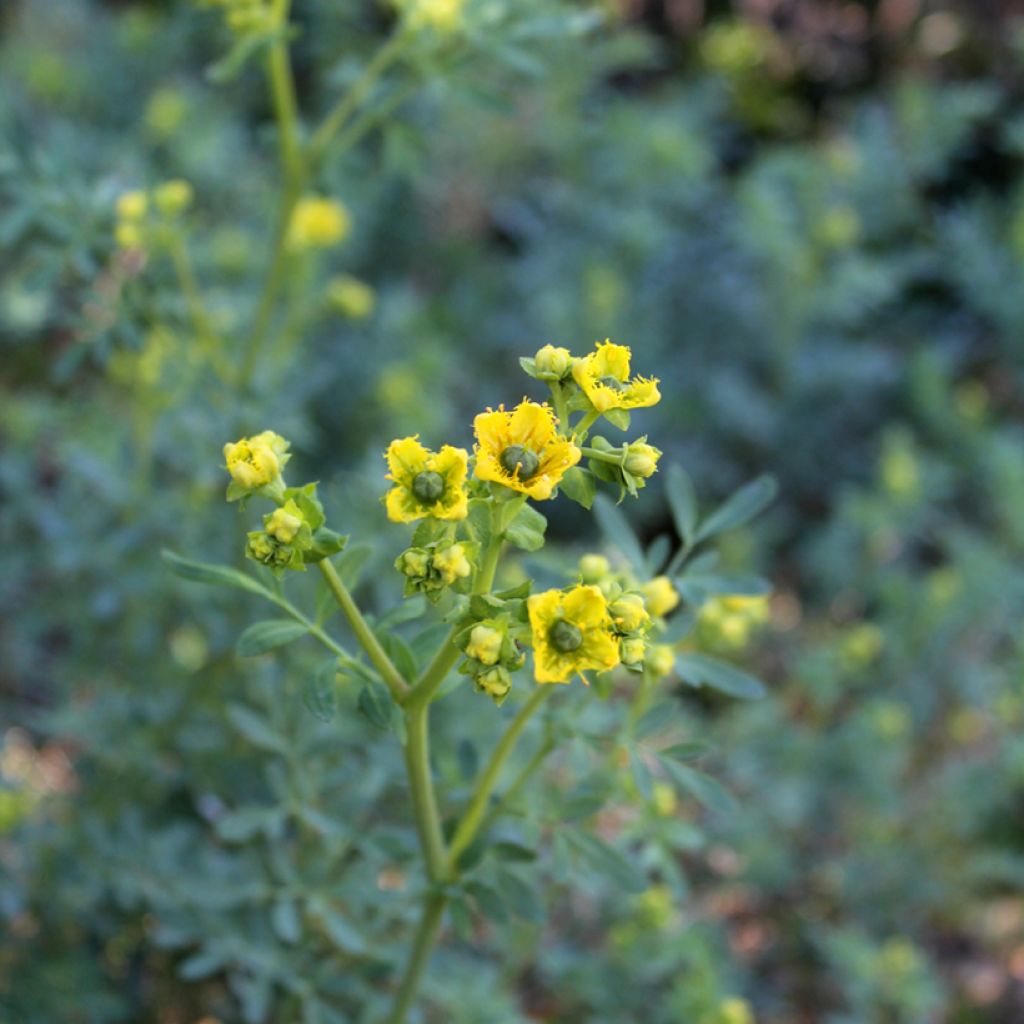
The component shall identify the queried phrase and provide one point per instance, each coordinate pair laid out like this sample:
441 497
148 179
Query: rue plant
622 627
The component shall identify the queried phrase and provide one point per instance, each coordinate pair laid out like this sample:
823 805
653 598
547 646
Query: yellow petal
492 430
641 394
610 360
451 463
401 507
543 609
532 425
585 606
406 457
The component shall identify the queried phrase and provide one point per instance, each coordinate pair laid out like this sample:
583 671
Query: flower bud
659 595
284 523
414 563
128 235
173 197
553 362
485 644
641 459
632 650
594 568
318 223
628 613
452 563
495 682
661 660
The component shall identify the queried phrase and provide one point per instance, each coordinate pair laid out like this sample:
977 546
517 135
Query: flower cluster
294 533
141 214
442 17
532 451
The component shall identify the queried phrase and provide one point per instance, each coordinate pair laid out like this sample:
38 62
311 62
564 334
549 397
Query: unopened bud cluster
142 216
435 567
492 655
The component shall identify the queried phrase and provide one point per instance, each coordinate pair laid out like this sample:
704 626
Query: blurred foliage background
808 219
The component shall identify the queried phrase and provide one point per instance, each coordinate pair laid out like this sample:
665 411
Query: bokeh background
807 218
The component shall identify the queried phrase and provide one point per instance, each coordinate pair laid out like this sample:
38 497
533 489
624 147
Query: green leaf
607 861
256 729
520 897
703 788
682 500
375 705
741 507
529 365
264 636
617 418
284 919
488 900
526 531
697 587
200 572
231 64
405 611
319 693
341 933
701 670
616 528
641 774
507 850
579 485
350 565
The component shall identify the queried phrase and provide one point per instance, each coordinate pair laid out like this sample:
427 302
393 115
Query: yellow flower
351 297
317 223
452 563
659 595
173 197
495 682
485 644
132 205
604 378
735 1011
256 461
572 632
632 650
522 450
426 483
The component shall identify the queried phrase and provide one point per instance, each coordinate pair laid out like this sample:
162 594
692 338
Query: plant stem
367 640
282 94
470 822
423 944
585 423
417 763
349 103
517 784
614 456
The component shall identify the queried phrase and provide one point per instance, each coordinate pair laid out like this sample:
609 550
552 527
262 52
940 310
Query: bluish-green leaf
264 636
702 670
201 572
741 507
616 528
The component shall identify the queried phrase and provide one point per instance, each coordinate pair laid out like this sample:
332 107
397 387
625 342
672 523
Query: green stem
196 306
424 802
614 456
585 423
282 94
498 808
471 820
423 944
367 640
561 408
349 103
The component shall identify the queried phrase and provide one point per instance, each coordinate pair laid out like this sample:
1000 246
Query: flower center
517 456
428 486
612 382
565 637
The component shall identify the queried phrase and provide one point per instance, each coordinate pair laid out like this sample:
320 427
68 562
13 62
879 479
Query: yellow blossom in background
664 799
735 1011
256 461
442 16
732 619
426 483
594 568
351 297
522 450
659 595
604 378
128 235
132 206
318 223
572 632
165 112
173 197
